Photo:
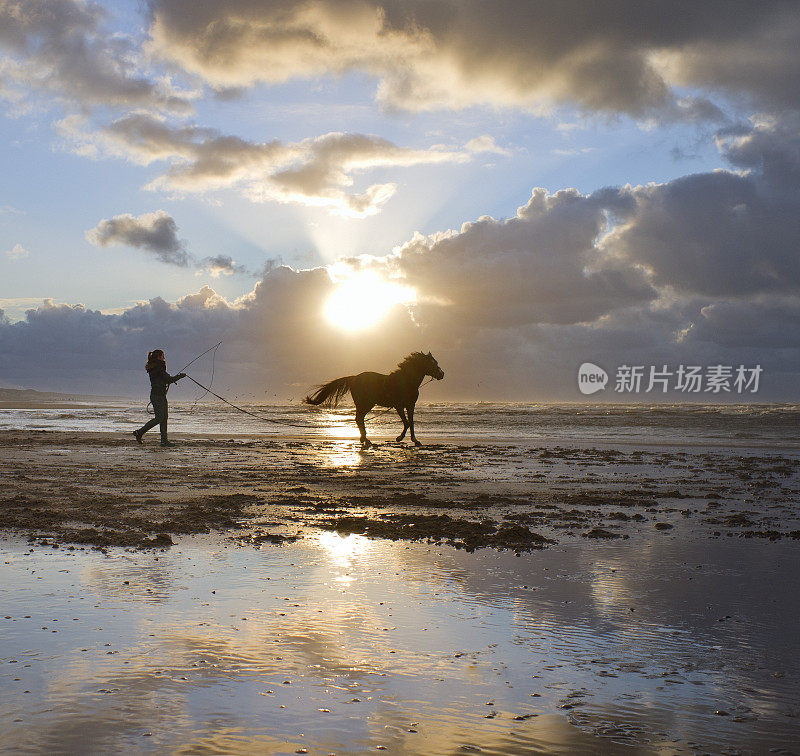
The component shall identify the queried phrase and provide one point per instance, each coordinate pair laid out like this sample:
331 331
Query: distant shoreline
32 399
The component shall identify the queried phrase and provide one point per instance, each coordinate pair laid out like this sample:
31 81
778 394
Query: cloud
612 57
485 143
156 233
62 47
256 354
724 233
542 266
17 252
570 152
700 270
15 307
318 171
221 265
276 341
764 323
484 295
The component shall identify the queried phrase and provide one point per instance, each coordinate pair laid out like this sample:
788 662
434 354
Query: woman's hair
154 357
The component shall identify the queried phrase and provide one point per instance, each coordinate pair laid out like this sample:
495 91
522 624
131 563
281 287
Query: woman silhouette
160 379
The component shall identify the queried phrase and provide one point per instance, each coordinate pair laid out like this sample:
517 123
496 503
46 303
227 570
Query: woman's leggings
159 403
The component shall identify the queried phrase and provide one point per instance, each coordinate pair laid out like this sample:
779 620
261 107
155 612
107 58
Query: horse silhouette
399 389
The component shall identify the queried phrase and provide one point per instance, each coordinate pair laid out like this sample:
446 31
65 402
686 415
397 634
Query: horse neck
415 374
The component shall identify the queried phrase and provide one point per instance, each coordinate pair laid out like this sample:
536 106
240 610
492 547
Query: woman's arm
159 373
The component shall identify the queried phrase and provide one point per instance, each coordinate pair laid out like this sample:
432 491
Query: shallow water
345 644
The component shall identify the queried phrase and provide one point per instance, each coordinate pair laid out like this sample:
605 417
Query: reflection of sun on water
343 455
341 425
363 299
341 550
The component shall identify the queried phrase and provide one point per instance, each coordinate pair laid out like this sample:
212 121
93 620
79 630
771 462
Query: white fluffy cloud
318 171
486 143
542 266
611 57
17 252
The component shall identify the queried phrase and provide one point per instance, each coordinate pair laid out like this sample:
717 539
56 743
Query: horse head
432 367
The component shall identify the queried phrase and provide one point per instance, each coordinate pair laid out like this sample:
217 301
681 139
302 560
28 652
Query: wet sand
103 490
289 595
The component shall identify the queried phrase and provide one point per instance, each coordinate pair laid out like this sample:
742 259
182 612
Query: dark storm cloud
614 56
763 324
273 338
156 233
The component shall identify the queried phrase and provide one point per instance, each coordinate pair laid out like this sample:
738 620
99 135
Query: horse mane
409 361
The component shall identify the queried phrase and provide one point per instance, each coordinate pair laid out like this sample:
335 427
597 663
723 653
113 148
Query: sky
519 187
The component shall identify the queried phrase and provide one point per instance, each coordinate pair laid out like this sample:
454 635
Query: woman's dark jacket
160 379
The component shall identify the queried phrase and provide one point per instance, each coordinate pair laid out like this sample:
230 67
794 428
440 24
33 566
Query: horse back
376 388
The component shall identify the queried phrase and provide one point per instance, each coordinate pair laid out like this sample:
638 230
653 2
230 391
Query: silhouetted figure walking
160 380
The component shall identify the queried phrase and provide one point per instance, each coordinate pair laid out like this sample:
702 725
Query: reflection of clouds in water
610 587
143 577
226 694
646 640
202 680
108 703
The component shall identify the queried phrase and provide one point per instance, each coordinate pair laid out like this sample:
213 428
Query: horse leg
410 410
360 415
363 405
402 414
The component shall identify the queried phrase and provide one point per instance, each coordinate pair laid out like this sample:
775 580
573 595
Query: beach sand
299 595
102 489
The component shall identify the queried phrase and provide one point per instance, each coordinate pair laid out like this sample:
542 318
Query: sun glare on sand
363 299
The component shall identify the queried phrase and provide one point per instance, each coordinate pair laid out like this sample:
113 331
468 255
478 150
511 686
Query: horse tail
331 393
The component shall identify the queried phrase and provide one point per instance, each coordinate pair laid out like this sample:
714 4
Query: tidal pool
352 645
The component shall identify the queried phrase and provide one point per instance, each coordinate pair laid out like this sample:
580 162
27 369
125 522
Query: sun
363 299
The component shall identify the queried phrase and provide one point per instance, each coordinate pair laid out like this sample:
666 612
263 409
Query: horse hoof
365 444
417 443
399 438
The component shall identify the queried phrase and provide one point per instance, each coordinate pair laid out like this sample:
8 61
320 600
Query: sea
713 425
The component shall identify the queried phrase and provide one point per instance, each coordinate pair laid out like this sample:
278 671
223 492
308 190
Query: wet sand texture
103 490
